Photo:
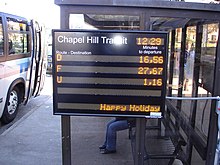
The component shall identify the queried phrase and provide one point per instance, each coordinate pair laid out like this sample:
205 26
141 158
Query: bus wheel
11 106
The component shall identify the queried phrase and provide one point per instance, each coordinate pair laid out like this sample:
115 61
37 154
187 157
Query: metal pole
193 98
65 120
66 140
217 153
139 142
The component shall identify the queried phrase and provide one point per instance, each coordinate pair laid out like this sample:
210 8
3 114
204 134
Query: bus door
32 71
37 75
39 59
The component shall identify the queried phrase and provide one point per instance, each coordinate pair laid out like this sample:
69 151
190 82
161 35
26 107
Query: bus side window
11 48
1 38
18 36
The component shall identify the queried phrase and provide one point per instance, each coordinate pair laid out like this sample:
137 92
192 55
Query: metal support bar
139 142
66 140
194 98
217 153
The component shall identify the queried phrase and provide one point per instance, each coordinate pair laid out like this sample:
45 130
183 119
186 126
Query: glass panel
16 25
17 43
207 66
208 51
17 36
177 52
199 64
207 54
167 24
170 24
1 38
108 22
189 60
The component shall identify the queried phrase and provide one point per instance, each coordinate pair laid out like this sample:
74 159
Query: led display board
109 73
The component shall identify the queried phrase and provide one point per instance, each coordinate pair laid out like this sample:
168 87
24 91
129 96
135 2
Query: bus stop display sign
109 73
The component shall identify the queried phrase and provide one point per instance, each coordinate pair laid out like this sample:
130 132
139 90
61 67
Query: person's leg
112 131
106 134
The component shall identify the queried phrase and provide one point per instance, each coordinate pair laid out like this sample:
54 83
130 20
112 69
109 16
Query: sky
44 11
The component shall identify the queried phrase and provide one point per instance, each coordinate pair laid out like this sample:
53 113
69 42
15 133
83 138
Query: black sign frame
76 92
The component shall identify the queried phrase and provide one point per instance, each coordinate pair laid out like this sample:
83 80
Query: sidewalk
87 134
36 140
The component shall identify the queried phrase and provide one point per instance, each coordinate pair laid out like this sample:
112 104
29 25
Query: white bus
22 63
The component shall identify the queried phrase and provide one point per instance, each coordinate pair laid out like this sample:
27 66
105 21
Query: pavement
36 138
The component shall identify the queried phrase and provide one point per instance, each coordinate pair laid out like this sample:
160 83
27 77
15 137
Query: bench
159 148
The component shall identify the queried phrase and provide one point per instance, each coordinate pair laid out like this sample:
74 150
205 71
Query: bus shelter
193 68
